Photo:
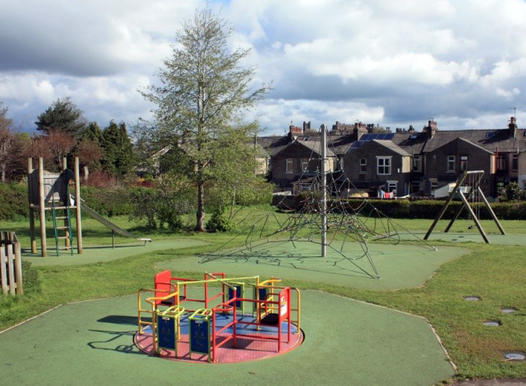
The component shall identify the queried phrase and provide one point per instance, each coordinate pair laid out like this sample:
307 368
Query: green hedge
13 201
426 209
114 201
429 209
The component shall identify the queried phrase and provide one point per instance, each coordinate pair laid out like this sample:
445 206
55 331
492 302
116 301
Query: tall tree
118 155
7 141
92 133
62 116
202 88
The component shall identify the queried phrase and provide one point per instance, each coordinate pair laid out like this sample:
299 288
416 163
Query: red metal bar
279 323
288 313
235 320
214 348
261 337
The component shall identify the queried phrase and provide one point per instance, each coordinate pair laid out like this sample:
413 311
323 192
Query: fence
10 264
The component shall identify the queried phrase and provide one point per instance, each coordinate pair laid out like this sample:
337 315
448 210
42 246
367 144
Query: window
391 186
417 163
363 166
383 165
450 168
501 162
289 166
304 165
463 163
515 162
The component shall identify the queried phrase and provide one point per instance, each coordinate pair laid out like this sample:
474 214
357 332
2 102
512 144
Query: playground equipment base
246 349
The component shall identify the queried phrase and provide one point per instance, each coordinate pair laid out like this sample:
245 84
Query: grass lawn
494 272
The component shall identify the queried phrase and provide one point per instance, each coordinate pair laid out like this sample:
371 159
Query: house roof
391 146
314 146
460 139
493 140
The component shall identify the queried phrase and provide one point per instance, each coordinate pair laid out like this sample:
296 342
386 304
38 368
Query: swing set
467 187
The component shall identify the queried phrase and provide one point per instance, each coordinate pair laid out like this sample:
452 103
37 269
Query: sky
392 63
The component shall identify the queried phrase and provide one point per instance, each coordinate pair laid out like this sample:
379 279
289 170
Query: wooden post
66 220
42 206
3 273
18 269
77 206
443 210
477 223
31 209
11 267
491 212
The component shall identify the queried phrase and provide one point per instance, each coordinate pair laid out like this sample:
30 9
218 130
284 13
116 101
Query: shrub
219 222
512 191
14 203
162 205
111 201
426 209
144 206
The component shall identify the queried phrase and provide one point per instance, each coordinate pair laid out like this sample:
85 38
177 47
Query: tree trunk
3 172
200 207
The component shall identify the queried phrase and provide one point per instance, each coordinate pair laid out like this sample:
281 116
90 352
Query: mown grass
496 273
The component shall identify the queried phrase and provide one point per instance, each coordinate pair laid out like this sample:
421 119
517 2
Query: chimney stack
431 128
512 128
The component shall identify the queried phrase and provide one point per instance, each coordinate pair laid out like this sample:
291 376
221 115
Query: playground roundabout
245 349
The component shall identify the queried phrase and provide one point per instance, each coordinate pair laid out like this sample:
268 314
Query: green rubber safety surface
399 266
347 342
101 254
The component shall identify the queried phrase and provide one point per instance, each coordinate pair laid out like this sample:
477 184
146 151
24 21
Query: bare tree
55 145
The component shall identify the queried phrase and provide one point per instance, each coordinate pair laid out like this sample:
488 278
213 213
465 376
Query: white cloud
374 60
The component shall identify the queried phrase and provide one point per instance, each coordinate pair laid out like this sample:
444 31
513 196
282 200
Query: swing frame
476 178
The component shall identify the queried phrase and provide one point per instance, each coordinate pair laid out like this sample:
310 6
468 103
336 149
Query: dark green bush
428 209
144 206
112 201
159 206
219 222
13 201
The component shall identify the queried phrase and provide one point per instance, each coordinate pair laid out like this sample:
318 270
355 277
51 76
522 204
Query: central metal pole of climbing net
323 192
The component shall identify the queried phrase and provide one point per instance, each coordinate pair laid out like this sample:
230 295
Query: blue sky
462 63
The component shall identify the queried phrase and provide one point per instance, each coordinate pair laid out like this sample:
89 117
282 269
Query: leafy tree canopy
202 89
92 133
118 157
62 116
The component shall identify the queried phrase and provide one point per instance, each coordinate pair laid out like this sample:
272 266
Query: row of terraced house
400 162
